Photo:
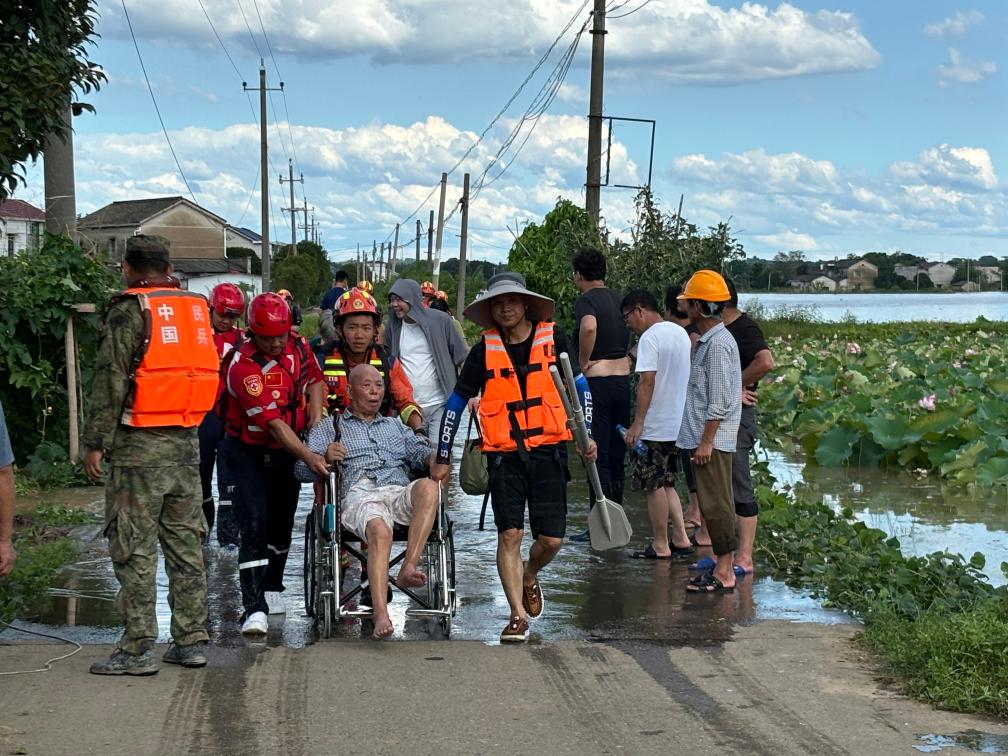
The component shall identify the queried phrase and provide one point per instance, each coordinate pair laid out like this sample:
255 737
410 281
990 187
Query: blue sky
833 127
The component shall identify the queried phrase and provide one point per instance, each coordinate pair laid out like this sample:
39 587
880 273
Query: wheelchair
325 540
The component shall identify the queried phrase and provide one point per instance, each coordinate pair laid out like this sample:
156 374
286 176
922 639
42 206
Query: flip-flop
708 583
693 540
702 565
648 553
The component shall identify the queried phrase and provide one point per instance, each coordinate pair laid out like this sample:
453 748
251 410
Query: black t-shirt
749 338
472 376
611 334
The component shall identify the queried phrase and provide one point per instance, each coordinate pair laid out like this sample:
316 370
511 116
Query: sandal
648 553
708 583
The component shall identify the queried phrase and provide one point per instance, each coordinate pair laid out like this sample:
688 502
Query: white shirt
664 349
418 362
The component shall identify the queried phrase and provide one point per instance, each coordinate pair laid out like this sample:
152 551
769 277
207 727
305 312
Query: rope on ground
48 664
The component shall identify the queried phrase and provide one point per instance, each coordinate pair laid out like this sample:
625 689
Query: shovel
608 526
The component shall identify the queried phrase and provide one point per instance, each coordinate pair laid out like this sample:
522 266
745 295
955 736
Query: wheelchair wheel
309 565
327 589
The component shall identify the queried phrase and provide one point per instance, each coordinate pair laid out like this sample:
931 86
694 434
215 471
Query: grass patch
43 544
935 621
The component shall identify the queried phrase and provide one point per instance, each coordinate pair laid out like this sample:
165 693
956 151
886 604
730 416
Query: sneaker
123 663
584 537
517 631
256 624
532 599
275 602
190 655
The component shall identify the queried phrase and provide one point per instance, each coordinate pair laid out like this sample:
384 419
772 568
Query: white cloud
788 240
572 95
686 41
970 168
758 171
955 25
960 70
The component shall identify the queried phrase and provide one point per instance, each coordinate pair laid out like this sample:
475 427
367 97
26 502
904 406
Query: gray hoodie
446 345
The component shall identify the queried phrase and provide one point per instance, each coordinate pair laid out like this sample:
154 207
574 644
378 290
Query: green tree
240 253
305 274
43 46
543 253
38 290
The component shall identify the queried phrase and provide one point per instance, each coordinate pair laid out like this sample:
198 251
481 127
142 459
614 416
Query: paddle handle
575 419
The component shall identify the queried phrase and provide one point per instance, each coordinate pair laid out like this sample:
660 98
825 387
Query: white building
941 274
21 227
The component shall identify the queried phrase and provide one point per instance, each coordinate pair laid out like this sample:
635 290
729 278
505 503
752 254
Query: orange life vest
505 417
176 370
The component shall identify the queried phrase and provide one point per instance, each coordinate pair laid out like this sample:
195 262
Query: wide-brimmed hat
539 307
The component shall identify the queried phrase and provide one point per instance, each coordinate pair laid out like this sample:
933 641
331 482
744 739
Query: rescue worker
366 286
157 376
227 303
440 302
524 434
273 394
294 308
356 323
427 293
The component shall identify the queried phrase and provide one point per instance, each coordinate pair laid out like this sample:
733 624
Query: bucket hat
539 307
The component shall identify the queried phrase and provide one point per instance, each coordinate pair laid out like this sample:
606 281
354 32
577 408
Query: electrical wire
49 663
251 35
629 12
221 41
154 100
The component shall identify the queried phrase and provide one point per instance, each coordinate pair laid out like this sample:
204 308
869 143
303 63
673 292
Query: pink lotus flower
853 348
927 402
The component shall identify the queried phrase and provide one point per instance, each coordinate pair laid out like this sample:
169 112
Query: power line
629 12
214 29
154 100
251 35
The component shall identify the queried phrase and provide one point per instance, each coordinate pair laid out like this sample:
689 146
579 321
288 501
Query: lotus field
919 401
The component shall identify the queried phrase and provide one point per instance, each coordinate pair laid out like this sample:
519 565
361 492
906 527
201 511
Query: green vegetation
934 620
901 395
43 546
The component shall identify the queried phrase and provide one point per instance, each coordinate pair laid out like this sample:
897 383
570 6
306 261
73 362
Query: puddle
980 742
925 515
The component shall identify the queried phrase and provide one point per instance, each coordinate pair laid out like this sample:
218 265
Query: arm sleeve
724 378
647 354
246 384
417 449
402 391
116 350
449 426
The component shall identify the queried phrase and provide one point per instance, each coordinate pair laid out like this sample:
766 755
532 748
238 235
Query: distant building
822 282
909 272
941 274
988 274
861 275
22 226
193 231
247 238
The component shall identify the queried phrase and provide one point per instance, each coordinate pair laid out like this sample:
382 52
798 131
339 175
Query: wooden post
430 239
418 241
462 248
70 345
440 230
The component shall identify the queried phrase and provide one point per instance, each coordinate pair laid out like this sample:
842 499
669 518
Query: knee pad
746 509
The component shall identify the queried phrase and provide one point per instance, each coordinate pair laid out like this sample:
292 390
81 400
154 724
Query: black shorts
541 482
657 467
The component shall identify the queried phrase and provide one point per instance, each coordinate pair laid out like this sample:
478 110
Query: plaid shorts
658 467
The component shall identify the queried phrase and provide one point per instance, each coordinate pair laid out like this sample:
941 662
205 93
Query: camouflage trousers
144 506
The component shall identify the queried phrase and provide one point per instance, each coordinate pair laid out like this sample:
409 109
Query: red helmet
357 302
227 299
269 315
427 289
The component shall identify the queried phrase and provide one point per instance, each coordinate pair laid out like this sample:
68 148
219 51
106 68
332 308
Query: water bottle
639 447
329 518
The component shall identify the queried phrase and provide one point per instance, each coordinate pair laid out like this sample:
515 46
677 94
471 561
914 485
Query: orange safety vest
176 370
505 417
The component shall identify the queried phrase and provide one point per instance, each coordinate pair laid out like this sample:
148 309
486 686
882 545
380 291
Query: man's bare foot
382 628
411 577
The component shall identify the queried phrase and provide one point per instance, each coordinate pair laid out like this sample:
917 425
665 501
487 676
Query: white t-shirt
418 362
664 349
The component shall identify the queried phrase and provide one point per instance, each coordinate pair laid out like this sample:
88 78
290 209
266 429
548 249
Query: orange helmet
285 294
365 286
427 289
706 285
357 302
441 294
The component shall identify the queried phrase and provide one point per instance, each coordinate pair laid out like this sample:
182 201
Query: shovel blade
618 533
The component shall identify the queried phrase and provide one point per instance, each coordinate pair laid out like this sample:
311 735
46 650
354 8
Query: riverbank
774 688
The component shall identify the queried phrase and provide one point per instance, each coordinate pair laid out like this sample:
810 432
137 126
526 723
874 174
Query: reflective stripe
272 405
495 347
334 372
223 503
269 366
253 411
254 429
256 563
275 550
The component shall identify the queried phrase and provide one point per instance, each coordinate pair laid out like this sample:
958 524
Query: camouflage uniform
152 494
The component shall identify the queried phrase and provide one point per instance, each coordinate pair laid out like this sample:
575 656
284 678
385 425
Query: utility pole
418 241
374 260
306 219
293 208
357 271
264 172
440 230
430 239
60 191
593 185
395 252
462 247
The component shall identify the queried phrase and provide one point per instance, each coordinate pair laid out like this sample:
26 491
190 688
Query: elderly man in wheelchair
375 455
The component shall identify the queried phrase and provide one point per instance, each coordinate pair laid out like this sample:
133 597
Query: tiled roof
133 212
21 210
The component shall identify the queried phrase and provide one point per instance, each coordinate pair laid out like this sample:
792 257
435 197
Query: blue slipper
703 565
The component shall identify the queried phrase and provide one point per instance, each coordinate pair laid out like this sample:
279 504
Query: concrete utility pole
293 208
462 247
306 219
357 271
264 172
418 241
60 190
395 252
593 185
440 229
430 239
